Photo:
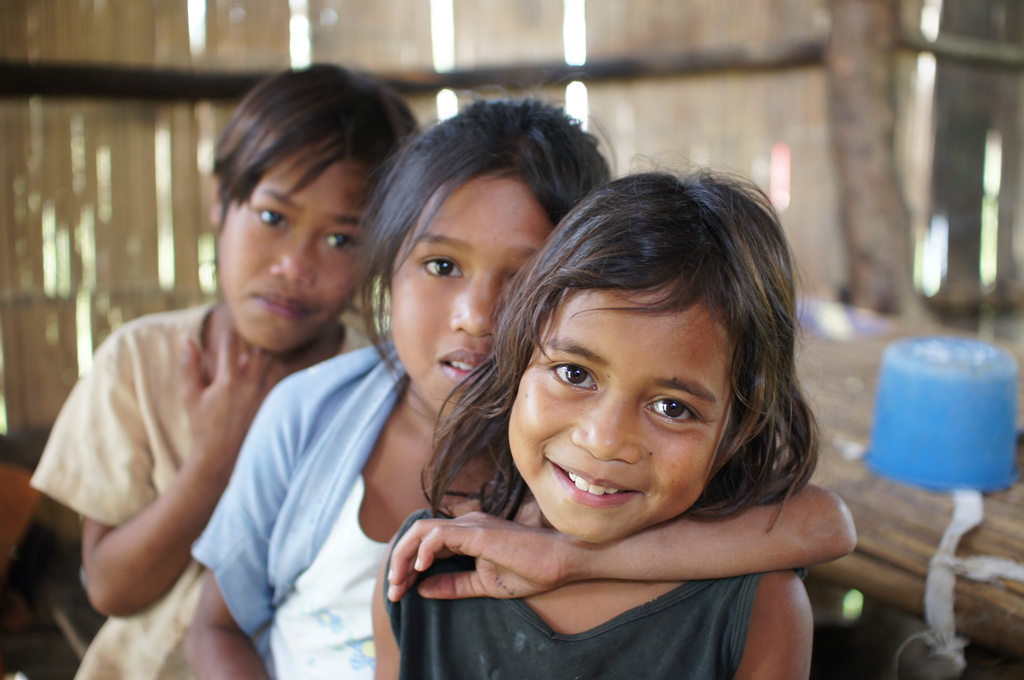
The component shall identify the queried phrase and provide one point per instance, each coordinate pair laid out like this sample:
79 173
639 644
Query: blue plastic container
945 414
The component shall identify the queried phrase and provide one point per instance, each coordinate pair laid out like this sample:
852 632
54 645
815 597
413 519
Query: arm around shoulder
781 631
822 520
812 527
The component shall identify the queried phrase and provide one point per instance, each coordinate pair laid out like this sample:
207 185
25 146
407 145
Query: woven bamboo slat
248 36
373 36
13 19
42 335
13 127
190 196
489 33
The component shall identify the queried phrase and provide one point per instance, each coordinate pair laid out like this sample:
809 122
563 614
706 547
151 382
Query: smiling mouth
594 489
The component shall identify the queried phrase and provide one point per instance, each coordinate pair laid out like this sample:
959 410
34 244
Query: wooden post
875 219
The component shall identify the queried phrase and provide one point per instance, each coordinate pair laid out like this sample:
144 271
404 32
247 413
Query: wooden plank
71 80
46 363
615 28
496 33
190 194
14 29
13 187
968 50
249 37
379 36
170 35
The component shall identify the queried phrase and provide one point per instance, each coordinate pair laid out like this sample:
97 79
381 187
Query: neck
316 350
417 413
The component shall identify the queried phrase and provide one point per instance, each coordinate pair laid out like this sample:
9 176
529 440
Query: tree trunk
875 218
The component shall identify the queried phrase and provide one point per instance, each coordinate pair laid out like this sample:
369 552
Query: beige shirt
116 445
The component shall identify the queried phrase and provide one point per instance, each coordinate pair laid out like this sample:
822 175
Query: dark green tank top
696 631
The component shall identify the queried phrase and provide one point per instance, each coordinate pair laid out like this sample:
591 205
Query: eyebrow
427 237
691 387
345 220
459 244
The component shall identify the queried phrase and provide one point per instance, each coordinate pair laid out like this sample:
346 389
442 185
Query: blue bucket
945 414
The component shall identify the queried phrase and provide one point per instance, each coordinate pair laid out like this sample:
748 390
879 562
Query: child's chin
591 535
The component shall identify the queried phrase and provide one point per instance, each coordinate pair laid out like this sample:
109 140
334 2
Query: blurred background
888 134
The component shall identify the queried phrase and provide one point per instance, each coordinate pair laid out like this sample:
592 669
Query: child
332 464
643 367
146 442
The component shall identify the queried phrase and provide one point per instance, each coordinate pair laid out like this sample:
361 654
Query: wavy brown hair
529 140
316 116
703 239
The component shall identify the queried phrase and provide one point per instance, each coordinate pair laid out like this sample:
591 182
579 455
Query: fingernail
419 565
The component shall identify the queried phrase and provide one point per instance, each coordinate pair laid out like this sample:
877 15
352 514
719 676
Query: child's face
286 261
443 294
616 422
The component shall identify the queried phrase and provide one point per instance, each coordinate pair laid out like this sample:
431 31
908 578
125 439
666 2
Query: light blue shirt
308 443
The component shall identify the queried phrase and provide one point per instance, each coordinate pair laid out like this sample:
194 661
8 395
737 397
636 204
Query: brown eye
441 267
270 217
672 408
572 374
339 240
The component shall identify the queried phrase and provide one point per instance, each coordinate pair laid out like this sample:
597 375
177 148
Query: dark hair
698 239
317 116
523 139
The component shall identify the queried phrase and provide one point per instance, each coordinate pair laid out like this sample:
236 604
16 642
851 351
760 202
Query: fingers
407 556
456 586
235 361
415 552
429 540
396 591
229 358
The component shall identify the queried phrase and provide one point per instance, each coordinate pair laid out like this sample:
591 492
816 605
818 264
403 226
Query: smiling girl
643 368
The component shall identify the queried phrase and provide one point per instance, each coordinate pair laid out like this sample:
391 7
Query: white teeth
461 365
582 485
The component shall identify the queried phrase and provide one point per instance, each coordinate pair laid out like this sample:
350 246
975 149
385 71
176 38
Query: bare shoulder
781 630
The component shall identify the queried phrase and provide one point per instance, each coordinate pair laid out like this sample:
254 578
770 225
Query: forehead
296 174
620 330
500 212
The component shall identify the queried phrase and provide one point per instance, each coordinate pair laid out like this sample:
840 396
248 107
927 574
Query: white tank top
324 628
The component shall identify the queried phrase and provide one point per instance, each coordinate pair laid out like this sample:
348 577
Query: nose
295 262
475 307
608 429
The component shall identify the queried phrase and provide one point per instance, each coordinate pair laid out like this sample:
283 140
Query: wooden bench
899 526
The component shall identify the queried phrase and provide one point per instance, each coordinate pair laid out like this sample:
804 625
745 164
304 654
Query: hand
512 560
222 401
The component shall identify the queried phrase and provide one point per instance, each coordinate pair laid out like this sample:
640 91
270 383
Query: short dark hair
317 116
704 239
526 139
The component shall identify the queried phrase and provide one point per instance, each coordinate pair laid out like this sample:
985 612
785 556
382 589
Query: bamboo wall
104 203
